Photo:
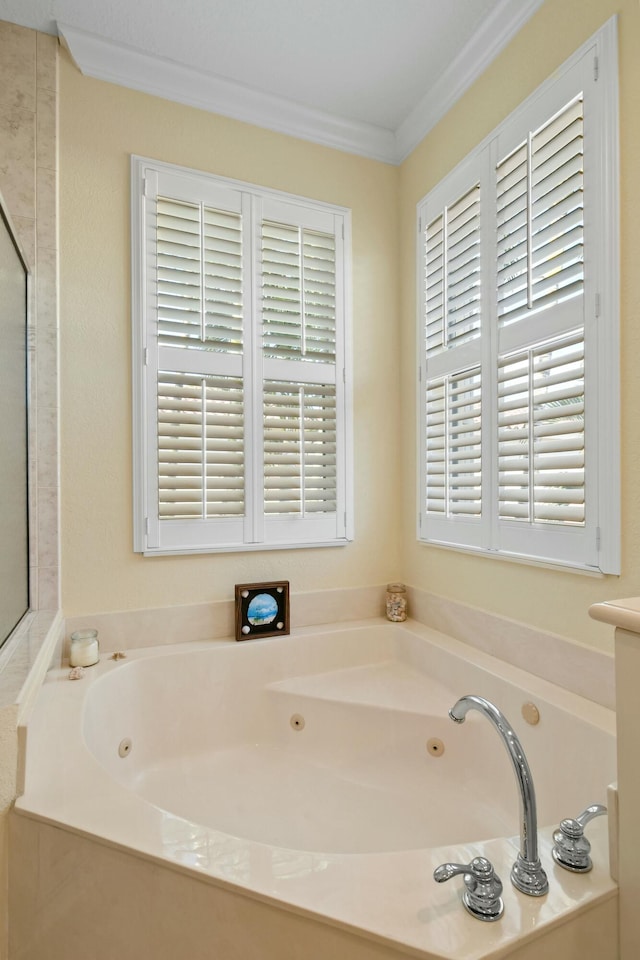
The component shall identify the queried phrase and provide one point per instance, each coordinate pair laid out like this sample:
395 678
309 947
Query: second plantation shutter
518 368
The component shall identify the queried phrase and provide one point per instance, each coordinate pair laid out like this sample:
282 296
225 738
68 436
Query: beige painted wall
550 600
100 126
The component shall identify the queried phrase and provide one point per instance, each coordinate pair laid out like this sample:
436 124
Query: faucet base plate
487 913
529 877
581 865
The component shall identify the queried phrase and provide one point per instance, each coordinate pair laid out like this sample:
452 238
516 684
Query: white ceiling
369 76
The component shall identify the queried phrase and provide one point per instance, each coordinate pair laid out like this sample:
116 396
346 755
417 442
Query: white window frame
254 530
596 548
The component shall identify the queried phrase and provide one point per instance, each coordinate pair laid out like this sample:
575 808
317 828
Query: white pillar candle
84 651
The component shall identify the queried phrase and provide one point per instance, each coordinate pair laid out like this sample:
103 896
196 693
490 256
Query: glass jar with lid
396 602
83 648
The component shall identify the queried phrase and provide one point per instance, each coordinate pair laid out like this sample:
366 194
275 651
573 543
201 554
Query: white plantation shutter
519 354
242 327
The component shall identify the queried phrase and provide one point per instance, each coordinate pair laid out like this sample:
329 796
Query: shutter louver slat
199 277
454 445
300 444
298 293
541 433
452 274
200 446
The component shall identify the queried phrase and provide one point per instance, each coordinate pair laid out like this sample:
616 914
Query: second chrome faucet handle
571 848
483 887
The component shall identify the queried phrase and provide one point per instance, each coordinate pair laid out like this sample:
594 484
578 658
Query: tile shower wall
28 171
28 175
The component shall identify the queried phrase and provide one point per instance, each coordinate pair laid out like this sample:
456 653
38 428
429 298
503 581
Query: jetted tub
318 774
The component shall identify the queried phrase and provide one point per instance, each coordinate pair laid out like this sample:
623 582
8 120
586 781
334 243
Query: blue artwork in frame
262 609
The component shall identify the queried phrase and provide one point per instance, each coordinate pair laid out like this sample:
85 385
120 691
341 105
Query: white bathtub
296 771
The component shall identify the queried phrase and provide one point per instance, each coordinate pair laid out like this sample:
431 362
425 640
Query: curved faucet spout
527 873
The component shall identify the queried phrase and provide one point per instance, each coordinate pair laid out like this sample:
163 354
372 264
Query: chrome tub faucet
527 873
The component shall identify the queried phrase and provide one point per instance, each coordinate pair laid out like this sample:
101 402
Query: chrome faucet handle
483 887
570 846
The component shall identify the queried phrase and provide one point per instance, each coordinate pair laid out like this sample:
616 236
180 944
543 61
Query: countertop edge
619 613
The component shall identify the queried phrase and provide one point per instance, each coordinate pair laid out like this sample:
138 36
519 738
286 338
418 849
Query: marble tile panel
33 583
32 640
46 62
17 171
46 327
25 229
47 371
48 527
32 320
33 534
47 428
46 128
17 68
46 213
48 588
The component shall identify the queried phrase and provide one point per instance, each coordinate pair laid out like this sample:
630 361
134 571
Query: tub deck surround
155 626
573 666
370 695
581 669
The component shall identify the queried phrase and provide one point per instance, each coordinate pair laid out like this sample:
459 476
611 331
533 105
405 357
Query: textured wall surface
28 170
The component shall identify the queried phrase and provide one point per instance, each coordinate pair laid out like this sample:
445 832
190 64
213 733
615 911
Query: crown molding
502 24
117 63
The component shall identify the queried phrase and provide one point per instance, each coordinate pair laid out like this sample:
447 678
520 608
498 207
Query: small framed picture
262 609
